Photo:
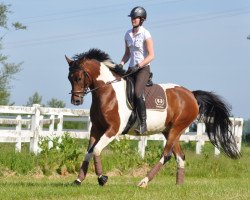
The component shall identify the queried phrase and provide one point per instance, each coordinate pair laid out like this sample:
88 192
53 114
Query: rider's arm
126 55
150 56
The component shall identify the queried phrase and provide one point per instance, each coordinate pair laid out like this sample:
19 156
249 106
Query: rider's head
138 12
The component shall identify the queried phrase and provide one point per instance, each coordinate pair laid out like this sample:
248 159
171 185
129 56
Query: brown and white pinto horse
109 114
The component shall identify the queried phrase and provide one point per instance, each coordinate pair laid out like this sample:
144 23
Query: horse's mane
96 54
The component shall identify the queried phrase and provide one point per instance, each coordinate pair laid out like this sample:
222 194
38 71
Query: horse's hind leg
172 139
180 161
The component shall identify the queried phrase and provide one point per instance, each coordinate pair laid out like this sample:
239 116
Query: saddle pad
155 97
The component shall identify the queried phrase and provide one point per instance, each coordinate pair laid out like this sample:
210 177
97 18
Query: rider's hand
132 70
119 69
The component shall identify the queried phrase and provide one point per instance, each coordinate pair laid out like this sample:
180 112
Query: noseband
85 91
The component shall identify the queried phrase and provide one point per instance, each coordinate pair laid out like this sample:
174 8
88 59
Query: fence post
239 133
200 130
60 124
89 126
60 127
35 128
52 124
18 129
216 151
142 145
238 129
51 130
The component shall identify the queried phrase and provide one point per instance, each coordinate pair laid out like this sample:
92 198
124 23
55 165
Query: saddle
154 95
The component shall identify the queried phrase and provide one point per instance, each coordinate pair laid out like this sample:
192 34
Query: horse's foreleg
84 167
102 143
102 179
180 161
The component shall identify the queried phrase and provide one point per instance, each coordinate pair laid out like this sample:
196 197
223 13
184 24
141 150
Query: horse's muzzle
76 100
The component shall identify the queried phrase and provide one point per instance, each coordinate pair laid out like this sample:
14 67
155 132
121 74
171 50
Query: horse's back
182 103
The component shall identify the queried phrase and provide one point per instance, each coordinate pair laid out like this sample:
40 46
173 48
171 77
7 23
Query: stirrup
141 130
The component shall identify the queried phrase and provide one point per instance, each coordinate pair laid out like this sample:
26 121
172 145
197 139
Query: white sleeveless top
136 44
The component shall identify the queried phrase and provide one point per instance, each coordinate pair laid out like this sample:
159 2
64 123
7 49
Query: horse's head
84 71
77 77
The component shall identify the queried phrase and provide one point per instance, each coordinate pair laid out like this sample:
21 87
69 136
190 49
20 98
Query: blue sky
201 45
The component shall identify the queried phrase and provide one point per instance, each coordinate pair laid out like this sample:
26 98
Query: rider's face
135 21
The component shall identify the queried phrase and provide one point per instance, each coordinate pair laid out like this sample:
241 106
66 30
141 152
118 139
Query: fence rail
20 124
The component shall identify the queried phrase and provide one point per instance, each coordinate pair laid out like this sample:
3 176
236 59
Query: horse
92 72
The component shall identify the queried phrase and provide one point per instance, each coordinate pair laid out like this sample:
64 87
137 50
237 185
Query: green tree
55 103
246 127
7 69
34 99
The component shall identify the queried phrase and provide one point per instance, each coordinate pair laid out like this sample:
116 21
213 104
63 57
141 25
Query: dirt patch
140 171
36 173
6 172
115 172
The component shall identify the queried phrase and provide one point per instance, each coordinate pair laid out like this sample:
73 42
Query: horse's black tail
215 114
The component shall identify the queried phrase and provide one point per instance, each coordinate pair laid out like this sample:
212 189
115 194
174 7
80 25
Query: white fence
26 124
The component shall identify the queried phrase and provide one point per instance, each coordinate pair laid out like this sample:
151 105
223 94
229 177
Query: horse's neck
105 75
103 78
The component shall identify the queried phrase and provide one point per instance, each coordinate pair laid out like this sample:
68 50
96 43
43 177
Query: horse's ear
70 62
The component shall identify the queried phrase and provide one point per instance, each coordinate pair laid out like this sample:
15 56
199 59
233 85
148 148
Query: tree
55 103
7 69
34 99
37 99
246 127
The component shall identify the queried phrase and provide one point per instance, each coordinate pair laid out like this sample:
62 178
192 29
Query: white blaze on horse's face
76 79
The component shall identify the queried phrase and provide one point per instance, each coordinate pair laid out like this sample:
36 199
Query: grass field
124 187
207 176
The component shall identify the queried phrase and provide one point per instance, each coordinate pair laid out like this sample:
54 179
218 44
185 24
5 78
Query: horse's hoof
102 180
143 183
76 183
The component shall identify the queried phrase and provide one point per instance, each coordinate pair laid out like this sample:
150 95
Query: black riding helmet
138 11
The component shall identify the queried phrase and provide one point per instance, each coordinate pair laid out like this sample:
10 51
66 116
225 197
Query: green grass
124 187
27 176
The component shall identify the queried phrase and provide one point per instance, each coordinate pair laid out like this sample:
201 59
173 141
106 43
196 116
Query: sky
201 45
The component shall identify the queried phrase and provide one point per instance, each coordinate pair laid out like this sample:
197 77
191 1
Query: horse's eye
78 79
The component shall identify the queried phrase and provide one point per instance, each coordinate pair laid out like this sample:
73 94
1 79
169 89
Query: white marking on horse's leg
180 170
143 183
162 160
180 162
103 142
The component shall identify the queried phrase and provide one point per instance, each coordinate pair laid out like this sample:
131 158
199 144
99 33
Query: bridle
85 91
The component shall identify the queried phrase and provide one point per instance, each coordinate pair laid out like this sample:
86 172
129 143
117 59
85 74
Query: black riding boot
141 112
130 123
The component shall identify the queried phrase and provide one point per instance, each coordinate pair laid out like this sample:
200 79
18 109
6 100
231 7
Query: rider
139 49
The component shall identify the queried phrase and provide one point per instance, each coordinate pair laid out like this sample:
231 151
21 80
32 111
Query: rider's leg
141 112
141 80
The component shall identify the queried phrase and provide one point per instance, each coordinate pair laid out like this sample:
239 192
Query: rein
87 90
